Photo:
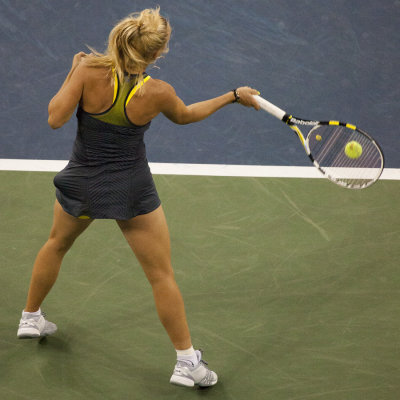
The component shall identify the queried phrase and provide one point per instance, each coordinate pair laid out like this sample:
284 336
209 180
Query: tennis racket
345 154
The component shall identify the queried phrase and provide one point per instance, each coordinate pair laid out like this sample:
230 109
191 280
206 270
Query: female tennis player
108 174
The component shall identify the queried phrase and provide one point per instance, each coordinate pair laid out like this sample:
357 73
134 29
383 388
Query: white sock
187 355
31 314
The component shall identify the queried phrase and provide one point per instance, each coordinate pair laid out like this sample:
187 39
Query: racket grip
270 108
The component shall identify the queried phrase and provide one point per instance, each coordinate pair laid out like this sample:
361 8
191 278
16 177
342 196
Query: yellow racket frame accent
350 126
299 134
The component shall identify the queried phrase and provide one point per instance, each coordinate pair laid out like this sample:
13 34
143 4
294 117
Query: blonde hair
134 43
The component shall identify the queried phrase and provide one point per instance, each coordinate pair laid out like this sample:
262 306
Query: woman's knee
60 244
161 275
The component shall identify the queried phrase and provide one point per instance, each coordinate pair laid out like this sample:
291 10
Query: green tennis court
291 287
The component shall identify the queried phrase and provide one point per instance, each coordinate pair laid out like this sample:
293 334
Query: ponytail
133 44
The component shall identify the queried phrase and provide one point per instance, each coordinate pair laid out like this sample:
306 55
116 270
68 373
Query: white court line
262 171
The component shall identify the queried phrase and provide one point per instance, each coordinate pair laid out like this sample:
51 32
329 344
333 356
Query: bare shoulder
90 74
161 89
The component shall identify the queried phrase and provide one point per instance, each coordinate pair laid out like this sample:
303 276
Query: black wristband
237 97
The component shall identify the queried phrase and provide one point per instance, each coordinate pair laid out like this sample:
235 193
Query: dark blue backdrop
322 59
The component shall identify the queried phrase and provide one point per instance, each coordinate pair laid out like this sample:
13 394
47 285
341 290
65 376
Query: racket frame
293 123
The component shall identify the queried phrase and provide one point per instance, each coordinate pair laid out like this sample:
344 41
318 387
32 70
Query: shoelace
28 322
201 358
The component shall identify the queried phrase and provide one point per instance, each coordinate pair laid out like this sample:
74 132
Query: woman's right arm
176 110
63 104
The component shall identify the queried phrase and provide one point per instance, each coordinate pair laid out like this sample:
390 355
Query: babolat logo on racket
301 121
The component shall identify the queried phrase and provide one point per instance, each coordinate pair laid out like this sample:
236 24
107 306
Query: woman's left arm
63 104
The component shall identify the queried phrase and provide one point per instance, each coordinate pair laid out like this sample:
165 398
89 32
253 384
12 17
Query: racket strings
327 144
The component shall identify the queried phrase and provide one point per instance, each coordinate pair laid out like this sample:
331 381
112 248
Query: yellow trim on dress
115 85
135 89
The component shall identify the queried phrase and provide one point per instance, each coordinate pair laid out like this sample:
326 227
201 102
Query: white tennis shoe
35 326
186 374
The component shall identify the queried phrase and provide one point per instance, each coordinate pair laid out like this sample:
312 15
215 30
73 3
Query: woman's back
99 92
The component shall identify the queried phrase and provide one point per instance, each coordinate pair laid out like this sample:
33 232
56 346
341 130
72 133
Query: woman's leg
64 231
148 237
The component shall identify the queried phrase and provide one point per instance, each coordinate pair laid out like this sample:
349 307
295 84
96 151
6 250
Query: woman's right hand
246 97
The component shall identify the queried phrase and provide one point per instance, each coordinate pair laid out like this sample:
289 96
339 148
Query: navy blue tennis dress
108 176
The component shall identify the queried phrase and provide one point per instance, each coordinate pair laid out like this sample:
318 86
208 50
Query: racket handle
270 108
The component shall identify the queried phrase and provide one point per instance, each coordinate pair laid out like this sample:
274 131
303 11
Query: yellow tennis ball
318 137
353 149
